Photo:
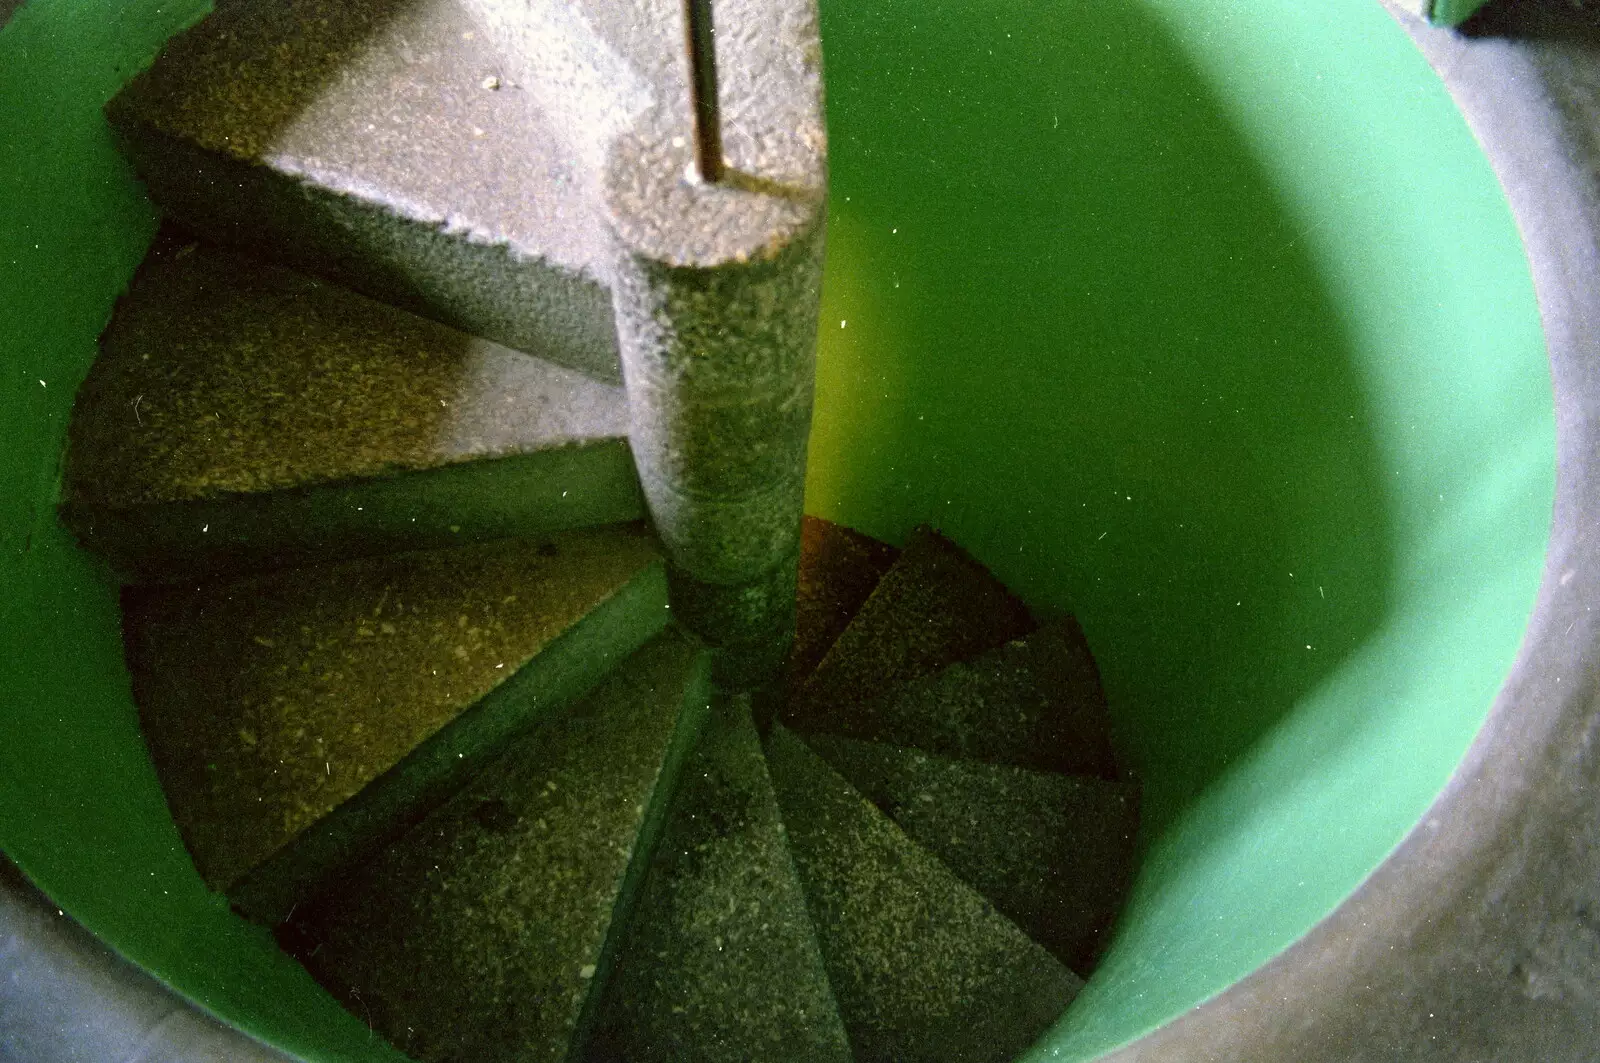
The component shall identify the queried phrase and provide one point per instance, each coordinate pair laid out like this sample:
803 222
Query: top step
386 146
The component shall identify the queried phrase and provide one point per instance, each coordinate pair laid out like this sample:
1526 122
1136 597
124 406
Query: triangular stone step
1035 702
387 146
933 607
1055 853
923 968
242 414
839 567
485 934
722 963
299 717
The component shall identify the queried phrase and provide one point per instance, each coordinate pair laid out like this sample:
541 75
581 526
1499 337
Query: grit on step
1035 702
1053 852
722 963
923 968
296 718
485 934
241 413
385 144
933 607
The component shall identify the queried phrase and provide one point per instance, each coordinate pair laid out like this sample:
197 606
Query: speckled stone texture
298 717
484 936
605 66
923 967
1055 853
935 606
719 361
1035 702
722 964
717 288
386 145
233 390
839 568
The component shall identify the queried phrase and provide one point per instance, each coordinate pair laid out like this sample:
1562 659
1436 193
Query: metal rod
699 35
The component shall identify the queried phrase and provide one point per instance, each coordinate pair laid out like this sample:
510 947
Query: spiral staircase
427 695
270 584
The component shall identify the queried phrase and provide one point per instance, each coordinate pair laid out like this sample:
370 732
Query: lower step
487 933
722 963
1055 853
297 718
924 969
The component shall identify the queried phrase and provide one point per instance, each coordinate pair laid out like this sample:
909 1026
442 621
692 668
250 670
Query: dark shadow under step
485 934
923 968
1053 852
933 607
722 964
839 567
242 415
296 718
1035 702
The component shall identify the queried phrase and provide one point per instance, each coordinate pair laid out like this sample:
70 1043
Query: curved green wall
1203 318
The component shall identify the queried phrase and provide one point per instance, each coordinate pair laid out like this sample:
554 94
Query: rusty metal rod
699 36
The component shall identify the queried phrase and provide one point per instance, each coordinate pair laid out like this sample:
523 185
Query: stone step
389 147
722 962
298 718
934 606
1054 853
243 415
1035 702
486 934
839 567
923 967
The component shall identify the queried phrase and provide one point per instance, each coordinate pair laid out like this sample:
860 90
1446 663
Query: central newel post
717 289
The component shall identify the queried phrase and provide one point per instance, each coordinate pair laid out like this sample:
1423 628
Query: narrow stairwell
427 693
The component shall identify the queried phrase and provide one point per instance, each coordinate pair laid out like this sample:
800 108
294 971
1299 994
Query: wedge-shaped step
1055 853
387 146
486 934
839 567
297 718
933 607
922 966
242 414
1035 702
722 962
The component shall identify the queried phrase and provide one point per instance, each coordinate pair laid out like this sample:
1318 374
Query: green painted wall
1155 304
1207 319
1453 12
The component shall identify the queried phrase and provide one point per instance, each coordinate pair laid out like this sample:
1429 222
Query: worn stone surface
934 607
222 375
485 934
614 68
296 716
839 568
1054 853
1035 702
387 145
223 380
923 967
722 963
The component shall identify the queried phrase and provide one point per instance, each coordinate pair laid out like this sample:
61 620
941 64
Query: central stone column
717 289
